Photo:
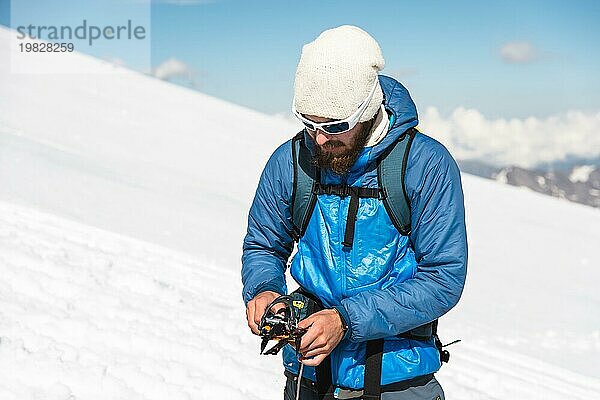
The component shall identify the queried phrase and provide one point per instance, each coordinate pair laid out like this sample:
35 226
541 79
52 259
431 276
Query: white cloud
524 142
519 53
173 68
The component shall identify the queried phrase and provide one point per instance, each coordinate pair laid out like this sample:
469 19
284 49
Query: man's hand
256 308
325 331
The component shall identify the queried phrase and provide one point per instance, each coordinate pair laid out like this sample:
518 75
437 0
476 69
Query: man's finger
318 343
259 310
306 322
250 315
308 338
313 362
315 351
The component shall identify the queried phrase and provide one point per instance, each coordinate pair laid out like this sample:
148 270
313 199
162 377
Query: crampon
280 323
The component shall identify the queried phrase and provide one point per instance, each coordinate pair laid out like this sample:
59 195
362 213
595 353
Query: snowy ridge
89 314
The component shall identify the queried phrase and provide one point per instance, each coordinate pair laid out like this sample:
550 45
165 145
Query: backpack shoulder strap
305 179
372 378
390 173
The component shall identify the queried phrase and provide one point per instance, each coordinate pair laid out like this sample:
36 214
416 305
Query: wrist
343 322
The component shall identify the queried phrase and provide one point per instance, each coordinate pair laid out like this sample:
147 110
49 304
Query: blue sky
448 54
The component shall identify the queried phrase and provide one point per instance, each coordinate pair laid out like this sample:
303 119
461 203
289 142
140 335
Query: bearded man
382 275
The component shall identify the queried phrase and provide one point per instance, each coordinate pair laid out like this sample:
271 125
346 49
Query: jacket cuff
345 320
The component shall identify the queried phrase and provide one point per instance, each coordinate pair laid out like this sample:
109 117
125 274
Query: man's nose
321 137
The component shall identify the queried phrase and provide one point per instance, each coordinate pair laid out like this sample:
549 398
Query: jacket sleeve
268 242
439 239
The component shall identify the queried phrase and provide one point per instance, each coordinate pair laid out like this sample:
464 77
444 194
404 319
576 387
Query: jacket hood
401 110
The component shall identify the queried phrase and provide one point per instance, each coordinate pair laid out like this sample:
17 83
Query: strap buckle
347 394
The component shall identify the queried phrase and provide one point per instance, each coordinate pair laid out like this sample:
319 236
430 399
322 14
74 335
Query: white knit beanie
336 73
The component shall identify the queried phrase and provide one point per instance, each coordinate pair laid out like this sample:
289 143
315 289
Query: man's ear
368 125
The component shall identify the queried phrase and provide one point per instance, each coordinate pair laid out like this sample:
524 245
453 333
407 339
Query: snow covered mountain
580 183
123 203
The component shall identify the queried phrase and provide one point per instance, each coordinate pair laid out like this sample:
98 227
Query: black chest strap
355 194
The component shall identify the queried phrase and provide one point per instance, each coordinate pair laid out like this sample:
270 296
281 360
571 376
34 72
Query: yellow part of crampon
298 304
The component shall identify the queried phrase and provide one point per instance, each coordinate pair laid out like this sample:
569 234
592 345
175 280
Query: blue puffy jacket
387 283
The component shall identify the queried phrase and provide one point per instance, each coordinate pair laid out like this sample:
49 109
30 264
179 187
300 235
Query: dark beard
341 163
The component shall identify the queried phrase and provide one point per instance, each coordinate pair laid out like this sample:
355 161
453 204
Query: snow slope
533 277
89 312
117 147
